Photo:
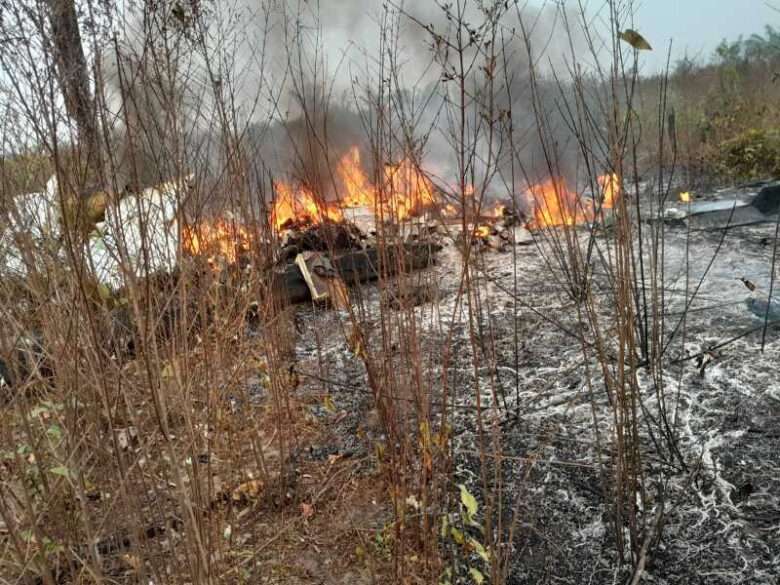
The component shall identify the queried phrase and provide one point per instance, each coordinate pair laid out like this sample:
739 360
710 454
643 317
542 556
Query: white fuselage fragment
139 236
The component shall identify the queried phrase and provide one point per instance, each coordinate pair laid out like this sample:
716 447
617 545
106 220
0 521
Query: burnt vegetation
477 300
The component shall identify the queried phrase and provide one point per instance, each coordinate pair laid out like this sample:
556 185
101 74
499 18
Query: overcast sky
699 25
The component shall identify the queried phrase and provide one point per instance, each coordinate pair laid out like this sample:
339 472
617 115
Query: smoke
304 79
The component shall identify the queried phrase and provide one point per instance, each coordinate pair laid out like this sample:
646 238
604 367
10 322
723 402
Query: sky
697 26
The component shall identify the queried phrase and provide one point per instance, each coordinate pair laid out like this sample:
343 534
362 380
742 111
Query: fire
497 211
685 197
554 205
449 210
300 206
610 185
359 191
482 231
401 191
220 239
407 190
404 192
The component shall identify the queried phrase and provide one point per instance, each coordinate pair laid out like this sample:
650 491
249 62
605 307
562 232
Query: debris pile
320 261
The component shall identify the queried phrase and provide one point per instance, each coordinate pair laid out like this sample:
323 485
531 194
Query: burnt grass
721 506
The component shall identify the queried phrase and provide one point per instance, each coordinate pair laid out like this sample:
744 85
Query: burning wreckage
315 244
313 248
310 249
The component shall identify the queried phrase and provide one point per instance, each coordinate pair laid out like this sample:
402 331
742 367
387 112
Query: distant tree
685 66
729 53
763 48
757 48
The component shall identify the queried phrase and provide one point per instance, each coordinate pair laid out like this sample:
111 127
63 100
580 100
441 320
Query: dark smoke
304 68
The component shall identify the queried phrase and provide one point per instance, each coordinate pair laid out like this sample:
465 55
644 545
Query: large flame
404 192
556 205
218 239
399 192
407 191
359 192
300 206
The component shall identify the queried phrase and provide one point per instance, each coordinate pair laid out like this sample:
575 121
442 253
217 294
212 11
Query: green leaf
478 577
634 39
52 548
469 502
55 432
61 470
27 536
104 293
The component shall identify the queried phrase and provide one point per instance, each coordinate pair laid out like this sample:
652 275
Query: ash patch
722 518
508 347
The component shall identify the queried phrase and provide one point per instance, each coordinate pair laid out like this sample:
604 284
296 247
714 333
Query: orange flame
219 239
554 205
300 206
359 191
405 192
685 197
497 211
610 185
449 210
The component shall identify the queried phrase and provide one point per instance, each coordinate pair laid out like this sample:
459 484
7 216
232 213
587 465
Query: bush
751 154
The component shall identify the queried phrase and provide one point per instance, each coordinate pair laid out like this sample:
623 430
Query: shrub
754 153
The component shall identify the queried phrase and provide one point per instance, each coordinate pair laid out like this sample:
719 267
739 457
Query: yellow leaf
479 549
457 535
634 39
96 206
167 371
260 364
425 435
133 562
328 404
469 502
355 343
478 577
